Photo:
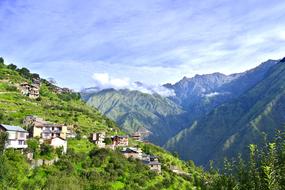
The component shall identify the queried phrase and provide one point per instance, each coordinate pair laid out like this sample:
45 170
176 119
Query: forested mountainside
202 93
163 117
228 130
84 166
157 117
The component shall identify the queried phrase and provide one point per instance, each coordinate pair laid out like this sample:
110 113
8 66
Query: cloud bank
104 80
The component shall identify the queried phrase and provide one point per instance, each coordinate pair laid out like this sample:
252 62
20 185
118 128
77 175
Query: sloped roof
130 150
13 128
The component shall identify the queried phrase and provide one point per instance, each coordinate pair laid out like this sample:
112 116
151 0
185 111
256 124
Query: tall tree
3 139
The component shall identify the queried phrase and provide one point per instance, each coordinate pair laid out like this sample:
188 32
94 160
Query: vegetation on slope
137 111
264 168
231 127
64 108
84 166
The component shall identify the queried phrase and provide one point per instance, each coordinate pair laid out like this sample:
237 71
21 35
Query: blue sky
114 43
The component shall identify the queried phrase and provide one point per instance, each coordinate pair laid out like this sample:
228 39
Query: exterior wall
12 135
132 155
16 140
98 139
57 142
18 144
121 141
156 168
37 132
63 133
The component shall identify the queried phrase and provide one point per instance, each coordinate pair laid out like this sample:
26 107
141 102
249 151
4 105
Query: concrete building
46 130
120 141
98 139
131 152
17 136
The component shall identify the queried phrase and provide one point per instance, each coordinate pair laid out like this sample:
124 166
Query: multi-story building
98 139
17 136
120 141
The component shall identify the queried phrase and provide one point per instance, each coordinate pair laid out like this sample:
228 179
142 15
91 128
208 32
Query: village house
153 163
17 136
45 130
177 170
154 166
30 90
49 133
131 152
59 90
70 132
120 141
137 136
98 139
58 142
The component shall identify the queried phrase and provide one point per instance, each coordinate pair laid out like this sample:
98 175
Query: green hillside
65 108
137 111
84 166
230 128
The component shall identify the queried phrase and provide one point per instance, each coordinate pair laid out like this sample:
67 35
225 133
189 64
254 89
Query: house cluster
129 152
31 90
62 90
151 161
116 141
56 135
53 134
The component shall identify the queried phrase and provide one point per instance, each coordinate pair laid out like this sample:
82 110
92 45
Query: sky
113 43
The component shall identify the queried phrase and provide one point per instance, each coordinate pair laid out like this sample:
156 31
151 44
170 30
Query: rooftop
13 128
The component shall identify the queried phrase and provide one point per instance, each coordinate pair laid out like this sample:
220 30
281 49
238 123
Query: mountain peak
282 60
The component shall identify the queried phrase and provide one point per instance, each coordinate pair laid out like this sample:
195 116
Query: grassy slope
14 107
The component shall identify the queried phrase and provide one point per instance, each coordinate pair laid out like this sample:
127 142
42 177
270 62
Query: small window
21 142
22 135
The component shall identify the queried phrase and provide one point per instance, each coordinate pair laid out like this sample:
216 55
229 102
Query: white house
98 138
17 136
58 142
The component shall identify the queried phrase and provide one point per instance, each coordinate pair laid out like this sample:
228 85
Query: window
21 142
21 135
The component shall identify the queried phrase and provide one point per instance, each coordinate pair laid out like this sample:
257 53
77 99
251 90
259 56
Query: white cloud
104 80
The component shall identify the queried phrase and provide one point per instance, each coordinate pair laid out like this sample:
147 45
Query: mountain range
209 117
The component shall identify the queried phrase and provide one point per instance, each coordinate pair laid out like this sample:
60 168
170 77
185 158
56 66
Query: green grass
80 146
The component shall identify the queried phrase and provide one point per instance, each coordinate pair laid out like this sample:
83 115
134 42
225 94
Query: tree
12 66
108 141
35 76
46 150
2 62
33 145
25 72
3 139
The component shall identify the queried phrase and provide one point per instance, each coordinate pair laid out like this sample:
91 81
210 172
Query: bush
11 88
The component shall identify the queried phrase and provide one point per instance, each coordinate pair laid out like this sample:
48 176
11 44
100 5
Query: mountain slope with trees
164 117
230 128
136 111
